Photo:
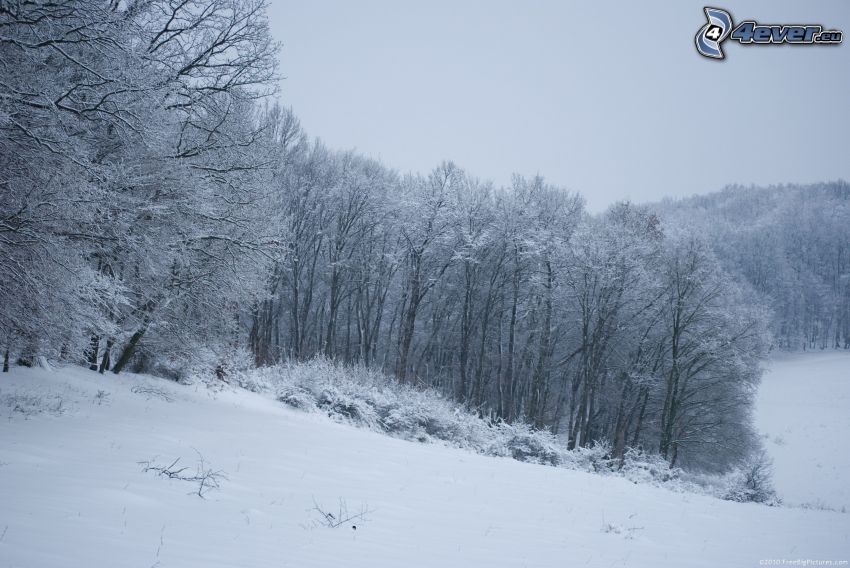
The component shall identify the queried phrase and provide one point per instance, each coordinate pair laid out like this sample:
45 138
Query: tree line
513 300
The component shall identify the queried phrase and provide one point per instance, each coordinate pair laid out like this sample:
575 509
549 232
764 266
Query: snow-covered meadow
74 492
803 412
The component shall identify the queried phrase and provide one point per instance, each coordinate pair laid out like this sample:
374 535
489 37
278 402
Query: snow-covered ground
73 493
803 410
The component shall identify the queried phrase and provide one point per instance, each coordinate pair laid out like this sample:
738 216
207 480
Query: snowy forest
162 210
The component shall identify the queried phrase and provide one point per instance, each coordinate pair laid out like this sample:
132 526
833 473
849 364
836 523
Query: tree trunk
105 361
92 352
333 310
622 423
408 323
130 348
465 333
509 404
537 402
636 436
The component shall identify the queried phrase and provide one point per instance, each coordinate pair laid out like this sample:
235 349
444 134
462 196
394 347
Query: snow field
803 412
74 494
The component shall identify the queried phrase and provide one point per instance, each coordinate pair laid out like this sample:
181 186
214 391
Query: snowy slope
803 410
73 494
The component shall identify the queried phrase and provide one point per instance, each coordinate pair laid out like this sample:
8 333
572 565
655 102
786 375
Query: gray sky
611 101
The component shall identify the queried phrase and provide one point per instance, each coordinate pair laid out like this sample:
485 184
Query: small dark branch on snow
206 478
152 392
342 517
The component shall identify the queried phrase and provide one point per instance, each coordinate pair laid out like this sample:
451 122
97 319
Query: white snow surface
72 492
803 411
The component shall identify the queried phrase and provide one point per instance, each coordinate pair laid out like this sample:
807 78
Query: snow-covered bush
399 419
523 443
425 415
370 399
595 459
414 420
296 397
347 406
224 362
752 482
643 467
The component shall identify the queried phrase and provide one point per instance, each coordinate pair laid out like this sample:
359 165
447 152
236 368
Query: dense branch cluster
155 208
132 171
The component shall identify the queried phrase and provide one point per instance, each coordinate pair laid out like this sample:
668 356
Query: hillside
74 492
790 244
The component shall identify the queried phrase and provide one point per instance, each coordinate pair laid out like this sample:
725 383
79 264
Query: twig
343 516
205 477
152 392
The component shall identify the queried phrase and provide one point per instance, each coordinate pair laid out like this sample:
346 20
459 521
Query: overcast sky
608 99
